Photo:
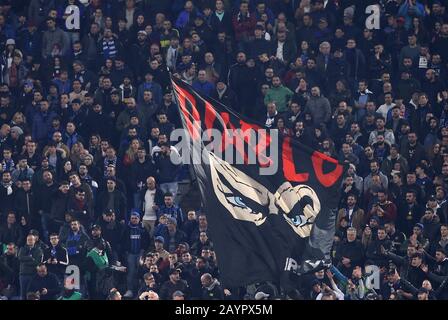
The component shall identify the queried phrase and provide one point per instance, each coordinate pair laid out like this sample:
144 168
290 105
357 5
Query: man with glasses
150 285
56 257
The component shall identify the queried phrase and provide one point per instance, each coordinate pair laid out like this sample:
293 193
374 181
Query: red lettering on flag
289 168
326 179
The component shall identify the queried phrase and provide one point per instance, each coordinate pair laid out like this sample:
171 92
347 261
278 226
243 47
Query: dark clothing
213 292
168 288
115 200
135 239
60 254
29 258
49 282
374 251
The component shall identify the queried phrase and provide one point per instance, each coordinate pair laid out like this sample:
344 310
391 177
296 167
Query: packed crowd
86 112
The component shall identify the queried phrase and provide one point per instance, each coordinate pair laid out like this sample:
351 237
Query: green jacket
281 96
75 296
101 262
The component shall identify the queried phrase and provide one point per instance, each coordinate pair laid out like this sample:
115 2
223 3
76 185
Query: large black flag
271 215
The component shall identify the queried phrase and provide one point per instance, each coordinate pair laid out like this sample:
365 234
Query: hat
135 213
10 41
323 19
419 225
108 212
115 91
159 239
96 227
173 270
261 296
376 218
178 293
142 32
111 179
431 198
17 129
76 101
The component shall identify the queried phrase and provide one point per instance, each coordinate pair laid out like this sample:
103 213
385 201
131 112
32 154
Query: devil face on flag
265 227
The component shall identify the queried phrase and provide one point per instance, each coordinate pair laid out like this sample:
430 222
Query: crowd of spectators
86 112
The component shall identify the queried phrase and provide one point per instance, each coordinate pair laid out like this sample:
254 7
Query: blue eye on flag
237 201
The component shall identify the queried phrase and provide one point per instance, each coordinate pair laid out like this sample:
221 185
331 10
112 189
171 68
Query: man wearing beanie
135 241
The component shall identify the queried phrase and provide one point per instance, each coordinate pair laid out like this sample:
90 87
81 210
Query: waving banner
270 201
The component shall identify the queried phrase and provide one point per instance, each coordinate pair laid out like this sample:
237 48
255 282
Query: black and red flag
270 216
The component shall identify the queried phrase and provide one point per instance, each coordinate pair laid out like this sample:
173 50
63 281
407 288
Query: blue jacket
135 239
173 212
42 124
204 88
70 140
154 87
418 10
182 19
63 87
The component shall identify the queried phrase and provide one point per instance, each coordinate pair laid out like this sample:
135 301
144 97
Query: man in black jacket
25 199
111 231
10 232
112 199
166 169
374 251
415 274
212 289
9 270
350 253
56 257
141 169
225 95
7 193
174 284
59 206
30 256
44 197
45 283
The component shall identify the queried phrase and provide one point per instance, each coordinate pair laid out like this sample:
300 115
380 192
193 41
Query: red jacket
244 26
